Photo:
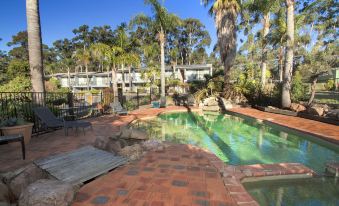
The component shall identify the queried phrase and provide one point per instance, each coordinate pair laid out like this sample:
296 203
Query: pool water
301 192
239 141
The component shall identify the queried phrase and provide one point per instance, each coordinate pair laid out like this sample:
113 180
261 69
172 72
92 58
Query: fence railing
80 105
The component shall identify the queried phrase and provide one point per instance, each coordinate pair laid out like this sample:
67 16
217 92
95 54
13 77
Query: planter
25 130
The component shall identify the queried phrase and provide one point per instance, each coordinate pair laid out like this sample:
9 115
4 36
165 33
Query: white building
101 80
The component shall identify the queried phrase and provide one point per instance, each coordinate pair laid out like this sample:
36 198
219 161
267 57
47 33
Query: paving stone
100 200
179 183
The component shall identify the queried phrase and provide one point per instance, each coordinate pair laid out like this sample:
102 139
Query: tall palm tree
112 59
35 45
225 13
163 22
83 57
287 76
98 53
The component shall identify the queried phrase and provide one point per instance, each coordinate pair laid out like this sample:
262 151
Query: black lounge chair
118 109
14 138
49 120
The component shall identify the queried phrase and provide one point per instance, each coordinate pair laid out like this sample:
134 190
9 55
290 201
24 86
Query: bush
330 85
298 90
18 84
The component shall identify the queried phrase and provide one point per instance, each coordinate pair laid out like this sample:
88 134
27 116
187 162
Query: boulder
211 101
113 146
47 193
133 152
20 179
4 195
333 114
138 134
315 110
125 133
211 108
295 107
226 104
101 142
153 145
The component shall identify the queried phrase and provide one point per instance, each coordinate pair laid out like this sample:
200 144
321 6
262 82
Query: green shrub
330 85
298 90
18 84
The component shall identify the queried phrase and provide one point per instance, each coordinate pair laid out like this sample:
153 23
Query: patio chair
14 138
118 109
49 120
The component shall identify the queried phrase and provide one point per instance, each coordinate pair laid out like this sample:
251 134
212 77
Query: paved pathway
179 175
325 131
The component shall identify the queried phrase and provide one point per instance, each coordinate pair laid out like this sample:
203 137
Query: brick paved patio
322 130
56 142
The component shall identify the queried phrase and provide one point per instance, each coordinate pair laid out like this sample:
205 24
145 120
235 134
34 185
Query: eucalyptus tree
225 13
288 68
261 9
35 45
196 36
19 44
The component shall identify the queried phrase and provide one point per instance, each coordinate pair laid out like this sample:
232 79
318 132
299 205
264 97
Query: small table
14 138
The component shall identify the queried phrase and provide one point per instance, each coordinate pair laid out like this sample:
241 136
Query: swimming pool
243 141
239 141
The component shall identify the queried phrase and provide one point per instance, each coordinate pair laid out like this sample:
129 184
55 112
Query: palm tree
98 53
35 45
287 76
83 57
111 59
163 22
225 13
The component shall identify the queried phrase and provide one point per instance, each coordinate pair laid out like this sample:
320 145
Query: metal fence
80 105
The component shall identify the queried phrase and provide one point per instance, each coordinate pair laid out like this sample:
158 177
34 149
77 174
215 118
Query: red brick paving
325 131
56 142
179 175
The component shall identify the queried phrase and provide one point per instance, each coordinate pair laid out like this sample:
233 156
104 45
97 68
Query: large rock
139 134
21 178
125 133
316 110
47 193
133 152
101 142
226 104
109 144
333 114
4 195
211 108
297 107
153 145
211 101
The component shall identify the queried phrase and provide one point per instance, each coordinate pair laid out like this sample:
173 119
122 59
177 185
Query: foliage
18 84
330 85
17 67
298 90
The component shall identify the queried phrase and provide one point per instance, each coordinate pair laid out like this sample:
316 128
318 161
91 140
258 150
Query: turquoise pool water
240 141
301 192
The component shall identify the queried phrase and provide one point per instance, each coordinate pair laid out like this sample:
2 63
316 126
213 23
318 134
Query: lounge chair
14 138
118 109
49 120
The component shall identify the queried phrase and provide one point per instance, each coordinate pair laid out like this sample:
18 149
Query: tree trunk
314 83
162 56
226 30
286 96
130 78
35 45
87 78
123 78
266 28
281 67
114 83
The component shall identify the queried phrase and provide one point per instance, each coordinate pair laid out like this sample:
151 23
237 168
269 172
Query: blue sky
60 17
